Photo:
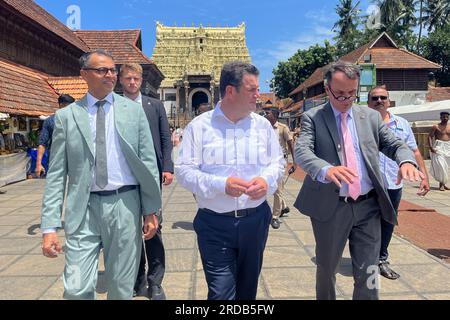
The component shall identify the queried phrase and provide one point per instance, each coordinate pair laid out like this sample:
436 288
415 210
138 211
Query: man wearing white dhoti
440 151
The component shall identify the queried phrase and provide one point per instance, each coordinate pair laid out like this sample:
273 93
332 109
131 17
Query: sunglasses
375 98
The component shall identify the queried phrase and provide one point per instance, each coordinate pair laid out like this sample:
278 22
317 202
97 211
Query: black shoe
140 290
386 271
275 223
284 212
156 293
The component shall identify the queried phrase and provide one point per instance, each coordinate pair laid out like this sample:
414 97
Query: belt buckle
346 199
236 214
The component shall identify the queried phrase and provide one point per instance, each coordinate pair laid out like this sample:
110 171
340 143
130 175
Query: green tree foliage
436 14
436 47
347 26
289 74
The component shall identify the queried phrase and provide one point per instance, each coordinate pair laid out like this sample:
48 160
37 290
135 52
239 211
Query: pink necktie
354 189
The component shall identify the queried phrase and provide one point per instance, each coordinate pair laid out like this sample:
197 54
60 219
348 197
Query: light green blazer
72 158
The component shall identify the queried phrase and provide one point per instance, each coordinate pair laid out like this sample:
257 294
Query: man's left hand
258 188
409 172
150 226
167 178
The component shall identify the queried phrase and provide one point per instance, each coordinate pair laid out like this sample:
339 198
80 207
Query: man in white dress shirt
231 160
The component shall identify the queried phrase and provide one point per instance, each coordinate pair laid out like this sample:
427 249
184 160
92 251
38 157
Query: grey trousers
360 224
113 222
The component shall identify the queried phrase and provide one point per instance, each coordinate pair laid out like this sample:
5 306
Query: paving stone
406 254
281 238
24 288
179 241
179 260
40 266
276 257
290 282
437 296
17 245
298 224
426 278
15 220
306 237
6 229
13 203
177 285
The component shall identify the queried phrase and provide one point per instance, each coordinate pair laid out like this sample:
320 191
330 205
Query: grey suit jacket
72 158
319 145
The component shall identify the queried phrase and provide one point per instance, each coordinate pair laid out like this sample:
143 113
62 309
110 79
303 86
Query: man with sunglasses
440 151
102 147
378 100
343 193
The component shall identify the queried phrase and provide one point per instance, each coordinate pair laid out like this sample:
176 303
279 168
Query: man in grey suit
131 81
102 147
343 192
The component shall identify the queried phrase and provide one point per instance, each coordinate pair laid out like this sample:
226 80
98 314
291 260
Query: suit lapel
359 118
81 116
330 122
120 115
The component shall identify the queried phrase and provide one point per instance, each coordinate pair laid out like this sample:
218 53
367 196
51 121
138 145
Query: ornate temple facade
191 59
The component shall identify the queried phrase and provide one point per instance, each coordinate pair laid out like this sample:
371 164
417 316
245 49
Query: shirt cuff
321 177
409 161
48 230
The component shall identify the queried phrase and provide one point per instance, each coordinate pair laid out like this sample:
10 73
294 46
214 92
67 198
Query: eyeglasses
103 71
375 98
343 98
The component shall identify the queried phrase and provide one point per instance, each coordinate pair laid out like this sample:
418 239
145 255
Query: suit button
336 190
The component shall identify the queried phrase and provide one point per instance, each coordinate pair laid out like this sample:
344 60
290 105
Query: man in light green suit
103 156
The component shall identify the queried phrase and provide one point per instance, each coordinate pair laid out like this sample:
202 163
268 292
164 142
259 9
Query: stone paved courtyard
288 270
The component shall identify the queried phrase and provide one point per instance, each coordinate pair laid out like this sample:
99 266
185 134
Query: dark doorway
197 99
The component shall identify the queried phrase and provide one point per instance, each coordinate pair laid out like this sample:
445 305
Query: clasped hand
256 188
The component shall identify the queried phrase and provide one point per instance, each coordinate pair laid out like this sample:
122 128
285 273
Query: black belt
117 191
236 213
366 196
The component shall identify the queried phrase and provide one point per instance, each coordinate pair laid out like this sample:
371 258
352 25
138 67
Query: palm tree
346 26
420 25
436 14
392 11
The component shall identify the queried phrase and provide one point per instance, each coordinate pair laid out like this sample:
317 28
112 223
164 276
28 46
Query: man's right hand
236 187
341 174
50 245
39 169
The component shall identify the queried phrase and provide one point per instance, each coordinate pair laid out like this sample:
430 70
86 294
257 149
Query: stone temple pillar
186 93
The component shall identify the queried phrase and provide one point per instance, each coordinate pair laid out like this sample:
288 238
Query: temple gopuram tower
191 59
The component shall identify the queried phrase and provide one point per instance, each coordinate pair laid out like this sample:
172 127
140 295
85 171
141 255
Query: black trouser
386 228
153 249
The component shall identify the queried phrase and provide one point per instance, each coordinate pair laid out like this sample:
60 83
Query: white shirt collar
138 98
91 100
217 112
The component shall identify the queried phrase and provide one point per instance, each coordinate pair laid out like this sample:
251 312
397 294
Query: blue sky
275 29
